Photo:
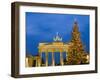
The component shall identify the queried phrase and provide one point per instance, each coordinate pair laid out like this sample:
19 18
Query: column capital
53 50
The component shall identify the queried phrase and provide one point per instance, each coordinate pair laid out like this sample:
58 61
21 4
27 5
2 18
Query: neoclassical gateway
74 50
56 46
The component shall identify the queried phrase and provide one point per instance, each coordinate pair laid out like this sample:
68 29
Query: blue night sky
42 27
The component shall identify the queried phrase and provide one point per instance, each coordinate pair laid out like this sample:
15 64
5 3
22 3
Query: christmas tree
76 51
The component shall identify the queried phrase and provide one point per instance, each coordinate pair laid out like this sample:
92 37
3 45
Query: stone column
61 59
53 60
40 54
37 63
46 58
66 55
26 62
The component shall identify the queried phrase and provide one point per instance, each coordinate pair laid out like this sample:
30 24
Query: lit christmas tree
76 51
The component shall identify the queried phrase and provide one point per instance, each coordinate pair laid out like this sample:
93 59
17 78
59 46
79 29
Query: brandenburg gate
56 46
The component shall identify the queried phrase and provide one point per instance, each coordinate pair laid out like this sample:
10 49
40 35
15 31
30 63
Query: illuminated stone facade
53 47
